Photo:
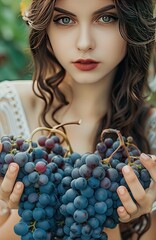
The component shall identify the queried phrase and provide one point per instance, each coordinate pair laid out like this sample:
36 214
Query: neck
88 100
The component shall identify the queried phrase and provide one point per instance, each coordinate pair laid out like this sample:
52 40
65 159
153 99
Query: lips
86 64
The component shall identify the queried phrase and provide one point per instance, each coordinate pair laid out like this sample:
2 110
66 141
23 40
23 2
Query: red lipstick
85 64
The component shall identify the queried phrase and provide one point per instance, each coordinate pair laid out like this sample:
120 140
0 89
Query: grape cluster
68 195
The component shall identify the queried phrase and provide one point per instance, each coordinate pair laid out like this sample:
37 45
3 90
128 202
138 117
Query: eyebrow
104 9
101 10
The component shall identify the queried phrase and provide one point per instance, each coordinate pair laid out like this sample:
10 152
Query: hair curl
128 109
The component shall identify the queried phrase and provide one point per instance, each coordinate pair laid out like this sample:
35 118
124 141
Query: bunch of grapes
68 195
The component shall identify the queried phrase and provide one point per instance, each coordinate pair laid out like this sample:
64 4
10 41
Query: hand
144 198
10 192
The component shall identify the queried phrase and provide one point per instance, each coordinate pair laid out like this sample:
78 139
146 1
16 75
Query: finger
9 181
1 180
149 162
4 212
123 215
16 195
127 201
152 192
135 186
4 218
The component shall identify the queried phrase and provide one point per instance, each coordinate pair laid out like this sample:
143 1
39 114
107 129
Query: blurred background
15 59
14 54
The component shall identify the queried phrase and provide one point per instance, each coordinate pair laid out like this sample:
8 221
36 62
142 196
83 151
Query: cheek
120 45
113 51
117 48
112 41
54 45
60 45
60 51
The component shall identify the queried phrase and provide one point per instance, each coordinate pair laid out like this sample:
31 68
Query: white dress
12 116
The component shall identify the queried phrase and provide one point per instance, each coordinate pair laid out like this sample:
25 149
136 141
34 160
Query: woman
91 61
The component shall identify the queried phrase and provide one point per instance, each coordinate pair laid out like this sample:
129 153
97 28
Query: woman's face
85 38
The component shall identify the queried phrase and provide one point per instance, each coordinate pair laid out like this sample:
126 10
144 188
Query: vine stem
68 123
55 130
122 144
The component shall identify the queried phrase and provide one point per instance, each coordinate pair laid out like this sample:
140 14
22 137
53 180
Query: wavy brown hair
128 108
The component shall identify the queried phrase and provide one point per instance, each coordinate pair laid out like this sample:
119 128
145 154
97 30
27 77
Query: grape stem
55 130
68 123
32 226
122 144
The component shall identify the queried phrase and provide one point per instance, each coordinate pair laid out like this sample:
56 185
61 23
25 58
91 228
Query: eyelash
56 19
113 18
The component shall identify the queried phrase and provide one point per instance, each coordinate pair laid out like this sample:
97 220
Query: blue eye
107 19
63 20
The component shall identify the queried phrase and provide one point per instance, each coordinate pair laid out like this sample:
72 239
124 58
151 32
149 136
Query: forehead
80 6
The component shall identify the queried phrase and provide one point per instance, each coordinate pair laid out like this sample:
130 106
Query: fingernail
18 186
121 190
12 168
121 209
126 169
145 156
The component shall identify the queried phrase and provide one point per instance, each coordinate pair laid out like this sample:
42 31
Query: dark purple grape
21 159
21 228
85 171
112 174
92 160
9 158
108 142
6 146
101 147
49 143
40 167
42 140
19 141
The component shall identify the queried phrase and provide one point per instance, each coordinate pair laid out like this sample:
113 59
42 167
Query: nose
85 40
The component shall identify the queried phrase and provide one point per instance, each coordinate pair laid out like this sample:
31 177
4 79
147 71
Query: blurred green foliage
14 54
152 98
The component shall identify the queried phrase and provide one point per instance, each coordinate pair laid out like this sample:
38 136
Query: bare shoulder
25 91
26 94
24 88
32 105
